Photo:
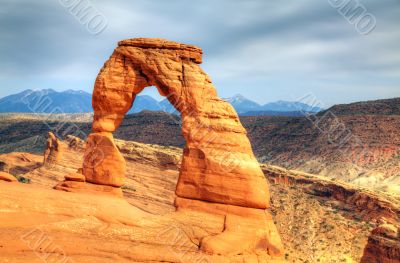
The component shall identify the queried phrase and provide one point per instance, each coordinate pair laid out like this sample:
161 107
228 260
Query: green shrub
23 180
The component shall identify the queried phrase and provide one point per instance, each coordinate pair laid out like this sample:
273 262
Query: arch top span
183 50
158 43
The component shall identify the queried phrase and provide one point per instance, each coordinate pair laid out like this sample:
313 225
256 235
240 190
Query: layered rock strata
383 245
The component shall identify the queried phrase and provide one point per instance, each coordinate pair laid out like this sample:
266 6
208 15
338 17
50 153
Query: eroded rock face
155 155
19 163
219 173
103 163
53 149
383 245
218 163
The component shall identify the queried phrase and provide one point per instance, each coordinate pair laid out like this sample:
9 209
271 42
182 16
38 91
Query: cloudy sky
265 50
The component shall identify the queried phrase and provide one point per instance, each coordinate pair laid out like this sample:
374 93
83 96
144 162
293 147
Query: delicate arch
218 163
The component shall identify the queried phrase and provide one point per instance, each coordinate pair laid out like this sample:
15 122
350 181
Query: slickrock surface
93 227
312 226
150 182
40 224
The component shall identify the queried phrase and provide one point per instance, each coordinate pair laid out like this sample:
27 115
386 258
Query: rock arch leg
114 92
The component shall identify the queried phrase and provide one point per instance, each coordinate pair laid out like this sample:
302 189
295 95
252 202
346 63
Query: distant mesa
373 107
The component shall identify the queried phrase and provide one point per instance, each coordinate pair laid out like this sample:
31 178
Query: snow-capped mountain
78 101
47 101
290 106
69 101
245 106
242 104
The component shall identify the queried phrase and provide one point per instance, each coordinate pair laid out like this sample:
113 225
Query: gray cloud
266 50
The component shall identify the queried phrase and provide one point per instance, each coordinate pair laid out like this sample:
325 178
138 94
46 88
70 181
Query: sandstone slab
76 177
7 177
81 187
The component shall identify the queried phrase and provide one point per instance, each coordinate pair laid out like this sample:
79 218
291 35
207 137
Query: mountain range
47 101
72 101
245 106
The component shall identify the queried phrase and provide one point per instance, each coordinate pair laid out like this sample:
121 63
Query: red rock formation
7 177
76 177
74 186
103 163
383 245
218 164
369 205
218 169
53 149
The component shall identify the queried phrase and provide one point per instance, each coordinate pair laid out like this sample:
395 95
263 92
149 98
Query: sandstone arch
219 173
218 162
